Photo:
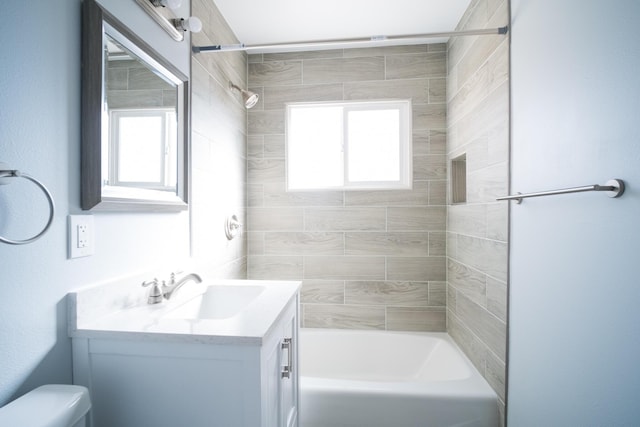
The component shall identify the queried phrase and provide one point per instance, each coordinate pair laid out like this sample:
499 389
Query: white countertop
109 312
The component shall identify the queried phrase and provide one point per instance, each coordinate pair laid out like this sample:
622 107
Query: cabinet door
271 381
289 383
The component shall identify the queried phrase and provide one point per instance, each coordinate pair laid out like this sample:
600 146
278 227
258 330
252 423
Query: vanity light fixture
171 4
162 11
250 98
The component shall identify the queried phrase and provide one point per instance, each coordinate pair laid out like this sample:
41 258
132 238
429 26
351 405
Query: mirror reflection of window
143 148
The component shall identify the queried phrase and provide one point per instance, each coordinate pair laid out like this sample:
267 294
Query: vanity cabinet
189 379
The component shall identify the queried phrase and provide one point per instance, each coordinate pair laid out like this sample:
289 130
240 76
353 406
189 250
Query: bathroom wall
477 230
219 123
368 259
574 343
40 134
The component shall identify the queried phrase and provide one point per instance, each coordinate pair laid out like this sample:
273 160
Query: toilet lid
51 405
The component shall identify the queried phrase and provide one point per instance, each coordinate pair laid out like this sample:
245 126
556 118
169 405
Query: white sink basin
215 312
217 302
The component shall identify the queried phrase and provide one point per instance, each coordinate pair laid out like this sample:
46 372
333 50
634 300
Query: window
349 145
143 148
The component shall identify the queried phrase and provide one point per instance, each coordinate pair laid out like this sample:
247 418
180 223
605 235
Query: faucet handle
155 293
150 282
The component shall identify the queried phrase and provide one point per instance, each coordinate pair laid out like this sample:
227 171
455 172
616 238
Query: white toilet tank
48 406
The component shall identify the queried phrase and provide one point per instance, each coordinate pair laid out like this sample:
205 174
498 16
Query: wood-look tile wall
368 259
130 84
218 139
477 231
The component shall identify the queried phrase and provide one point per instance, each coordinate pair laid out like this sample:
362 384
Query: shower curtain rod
336 42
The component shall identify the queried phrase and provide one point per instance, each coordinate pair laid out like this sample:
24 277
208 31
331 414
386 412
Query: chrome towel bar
613 187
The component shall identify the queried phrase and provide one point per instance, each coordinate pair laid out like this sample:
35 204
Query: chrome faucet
160 292
155 292
172 287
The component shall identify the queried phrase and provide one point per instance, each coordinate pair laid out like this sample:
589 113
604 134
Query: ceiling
259 22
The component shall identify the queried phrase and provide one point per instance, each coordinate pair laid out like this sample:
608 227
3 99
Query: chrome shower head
250 98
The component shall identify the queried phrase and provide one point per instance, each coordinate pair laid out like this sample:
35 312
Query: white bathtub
390 379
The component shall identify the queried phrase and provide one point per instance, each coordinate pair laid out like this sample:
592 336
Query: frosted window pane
374 145
350 145
315 148
141 149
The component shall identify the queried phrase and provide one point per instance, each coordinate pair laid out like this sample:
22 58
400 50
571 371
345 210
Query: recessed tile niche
459 179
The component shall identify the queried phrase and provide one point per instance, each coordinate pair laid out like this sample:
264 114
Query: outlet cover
81 236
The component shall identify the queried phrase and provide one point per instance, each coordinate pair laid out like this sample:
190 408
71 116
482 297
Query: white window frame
167 158
404 108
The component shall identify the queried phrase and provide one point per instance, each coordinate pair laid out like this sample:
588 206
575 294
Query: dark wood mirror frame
95 195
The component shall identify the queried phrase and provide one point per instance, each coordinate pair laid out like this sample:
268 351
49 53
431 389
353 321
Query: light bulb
192 24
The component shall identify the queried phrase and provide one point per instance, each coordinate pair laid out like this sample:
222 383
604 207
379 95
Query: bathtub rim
475 386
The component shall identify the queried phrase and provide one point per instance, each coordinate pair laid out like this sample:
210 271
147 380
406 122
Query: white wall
575 292
40 134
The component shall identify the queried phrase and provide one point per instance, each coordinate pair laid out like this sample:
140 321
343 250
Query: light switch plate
81 236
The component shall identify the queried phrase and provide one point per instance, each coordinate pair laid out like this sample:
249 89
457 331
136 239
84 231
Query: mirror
134 121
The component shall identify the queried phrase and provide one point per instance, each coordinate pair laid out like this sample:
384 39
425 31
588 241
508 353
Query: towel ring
7 173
